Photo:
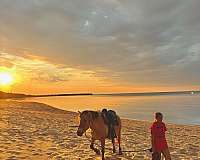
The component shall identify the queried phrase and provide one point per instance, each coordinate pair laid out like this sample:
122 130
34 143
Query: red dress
158 130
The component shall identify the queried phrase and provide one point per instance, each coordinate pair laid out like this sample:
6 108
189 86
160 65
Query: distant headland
4 95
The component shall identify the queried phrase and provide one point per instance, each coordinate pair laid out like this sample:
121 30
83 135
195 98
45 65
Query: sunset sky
56 46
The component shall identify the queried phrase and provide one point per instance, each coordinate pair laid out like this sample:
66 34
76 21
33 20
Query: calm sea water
180 109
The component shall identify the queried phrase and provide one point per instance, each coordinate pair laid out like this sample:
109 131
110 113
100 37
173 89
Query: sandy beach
35 131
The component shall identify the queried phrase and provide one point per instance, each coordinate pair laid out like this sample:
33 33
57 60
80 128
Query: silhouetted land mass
62 95
4 95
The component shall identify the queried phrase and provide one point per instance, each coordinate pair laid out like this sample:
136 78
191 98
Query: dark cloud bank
140 41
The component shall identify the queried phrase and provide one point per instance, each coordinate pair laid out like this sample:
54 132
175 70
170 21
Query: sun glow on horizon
6 79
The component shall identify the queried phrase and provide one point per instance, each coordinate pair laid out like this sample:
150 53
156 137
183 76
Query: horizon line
109 93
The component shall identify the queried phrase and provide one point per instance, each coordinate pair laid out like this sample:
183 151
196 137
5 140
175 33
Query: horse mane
94 114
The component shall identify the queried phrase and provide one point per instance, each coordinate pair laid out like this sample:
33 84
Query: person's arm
153 143
165 128
153 138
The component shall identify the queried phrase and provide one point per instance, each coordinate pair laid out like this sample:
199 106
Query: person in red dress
158 139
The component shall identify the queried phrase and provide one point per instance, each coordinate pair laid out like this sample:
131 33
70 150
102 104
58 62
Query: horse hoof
120 153
98 152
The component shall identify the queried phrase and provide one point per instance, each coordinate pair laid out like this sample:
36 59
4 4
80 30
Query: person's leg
166 154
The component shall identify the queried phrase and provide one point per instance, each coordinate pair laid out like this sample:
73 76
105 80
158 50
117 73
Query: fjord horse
95 121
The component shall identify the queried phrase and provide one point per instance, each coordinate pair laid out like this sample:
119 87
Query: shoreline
73 112
31 130
177 110
122 117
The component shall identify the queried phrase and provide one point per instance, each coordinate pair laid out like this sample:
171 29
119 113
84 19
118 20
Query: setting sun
6 78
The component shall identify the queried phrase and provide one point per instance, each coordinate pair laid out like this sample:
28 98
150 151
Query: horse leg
119 141
103 148
93 148
113 143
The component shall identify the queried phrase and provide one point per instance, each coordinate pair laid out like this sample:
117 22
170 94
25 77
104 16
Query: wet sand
35 131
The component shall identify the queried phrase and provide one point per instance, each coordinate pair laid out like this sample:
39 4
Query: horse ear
79 112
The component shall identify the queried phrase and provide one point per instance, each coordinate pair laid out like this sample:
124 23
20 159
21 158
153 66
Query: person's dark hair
158 114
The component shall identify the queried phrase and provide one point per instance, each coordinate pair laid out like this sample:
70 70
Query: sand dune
34 131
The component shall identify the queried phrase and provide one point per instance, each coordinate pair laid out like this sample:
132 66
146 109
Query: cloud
36 70
136 41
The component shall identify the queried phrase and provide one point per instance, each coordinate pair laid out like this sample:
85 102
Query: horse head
85 120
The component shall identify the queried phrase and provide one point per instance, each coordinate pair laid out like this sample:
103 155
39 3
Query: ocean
179 109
